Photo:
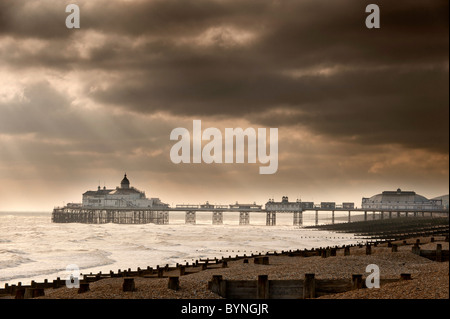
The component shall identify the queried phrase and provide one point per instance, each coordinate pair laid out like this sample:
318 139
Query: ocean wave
14 261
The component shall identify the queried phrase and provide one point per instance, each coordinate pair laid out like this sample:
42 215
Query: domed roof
398 196
125 183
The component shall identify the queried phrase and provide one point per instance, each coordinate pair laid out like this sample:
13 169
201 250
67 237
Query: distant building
328 205
121 197
284 205
401 200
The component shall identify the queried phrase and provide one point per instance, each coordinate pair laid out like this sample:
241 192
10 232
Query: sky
358 110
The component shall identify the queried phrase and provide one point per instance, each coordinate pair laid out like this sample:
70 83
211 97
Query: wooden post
368 250
19 293
160 272
394 248
33 293
263 287
219 286
439 252
174 283
346 251
405 276
265 260
84 287
225 264
309 286
357 281
416 249
128 284
182 270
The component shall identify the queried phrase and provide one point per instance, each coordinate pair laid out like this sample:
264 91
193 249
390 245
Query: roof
125 180
125 191
398 196
98 192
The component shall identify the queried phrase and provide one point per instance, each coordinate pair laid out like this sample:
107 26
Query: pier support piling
190 217
217 218
271 218
298 218
244 218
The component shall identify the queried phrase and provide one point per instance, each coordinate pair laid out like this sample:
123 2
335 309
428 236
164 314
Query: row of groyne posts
309 287
144 216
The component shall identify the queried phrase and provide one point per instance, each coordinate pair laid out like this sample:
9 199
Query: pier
160 216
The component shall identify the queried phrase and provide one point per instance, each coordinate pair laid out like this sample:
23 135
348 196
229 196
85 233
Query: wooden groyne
309 287
392 229
241 289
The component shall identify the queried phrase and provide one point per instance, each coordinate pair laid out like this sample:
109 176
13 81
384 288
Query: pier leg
332 217
349 218
390 215
317 217
298 218
271 218
373 215
398 214
217 218
190 217
365 216
244 218
381 215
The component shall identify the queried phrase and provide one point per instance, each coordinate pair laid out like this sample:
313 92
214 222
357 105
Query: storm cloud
136 69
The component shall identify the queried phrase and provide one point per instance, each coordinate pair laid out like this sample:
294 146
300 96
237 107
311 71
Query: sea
34 248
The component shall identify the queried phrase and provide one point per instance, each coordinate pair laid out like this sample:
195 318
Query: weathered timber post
368 250
263 287
19 293
160 272
357 281
128 284
439 252
33 293
84 287
174 283
309 286
416 249
405 276
219 286
346 251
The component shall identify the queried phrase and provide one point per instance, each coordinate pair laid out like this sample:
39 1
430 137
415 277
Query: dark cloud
310 68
